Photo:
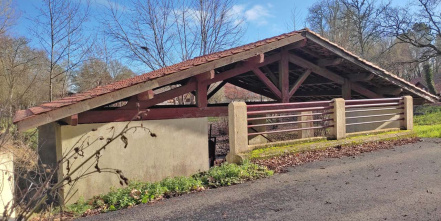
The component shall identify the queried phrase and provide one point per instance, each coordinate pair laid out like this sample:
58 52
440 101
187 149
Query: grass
144 192
428 123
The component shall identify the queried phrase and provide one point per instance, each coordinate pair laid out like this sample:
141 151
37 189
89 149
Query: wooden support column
284 76
202 88
346 90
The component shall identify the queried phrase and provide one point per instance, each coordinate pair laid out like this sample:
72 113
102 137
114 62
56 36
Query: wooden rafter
216 89
267 82
329 62
331 75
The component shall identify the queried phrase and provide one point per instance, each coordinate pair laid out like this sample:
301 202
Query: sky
262 18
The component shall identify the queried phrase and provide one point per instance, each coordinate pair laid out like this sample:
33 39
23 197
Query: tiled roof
101 90
46 107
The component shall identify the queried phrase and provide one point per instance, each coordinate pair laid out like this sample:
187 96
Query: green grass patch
144 192
428 123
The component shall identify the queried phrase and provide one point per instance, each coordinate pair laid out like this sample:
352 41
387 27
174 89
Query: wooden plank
346 90
267 82
299 82
329 62
284 76
216 89
106 116
331 75
378 72
62 112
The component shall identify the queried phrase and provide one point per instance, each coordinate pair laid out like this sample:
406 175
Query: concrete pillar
407 123
339 130
238 131
306 133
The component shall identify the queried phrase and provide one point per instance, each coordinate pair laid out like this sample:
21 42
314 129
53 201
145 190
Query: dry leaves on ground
280 164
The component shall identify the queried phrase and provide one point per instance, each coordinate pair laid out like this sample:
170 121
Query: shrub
144 192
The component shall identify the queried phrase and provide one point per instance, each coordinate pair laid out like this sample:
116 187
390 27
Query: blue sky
263 18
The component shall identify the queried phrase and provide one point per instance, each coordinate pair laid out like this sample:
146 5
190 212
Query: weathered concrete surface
237 130
7 182
399 184
180 149
339 130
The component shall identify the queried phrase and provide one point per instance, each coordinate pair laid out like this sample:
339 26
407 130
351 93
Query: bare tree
159 33
59 30
416 24
7 15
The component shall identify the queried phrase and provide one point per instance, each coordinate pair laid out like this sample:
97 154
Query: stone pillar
238 131
306 133
339 130
407 123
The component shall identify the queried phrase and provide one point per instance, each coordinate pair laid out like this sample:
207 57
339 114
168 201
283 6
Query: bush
141 192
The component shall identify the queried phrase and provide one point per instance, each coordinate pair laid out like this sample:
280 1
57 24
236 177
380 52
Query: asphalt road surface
398 184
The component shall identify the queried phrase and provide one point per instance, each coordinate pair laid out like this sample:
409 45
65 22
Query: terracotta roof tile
23 114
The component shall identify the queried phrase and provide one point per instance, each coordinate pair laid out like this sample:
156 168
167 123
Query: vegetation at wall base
427 121
144 192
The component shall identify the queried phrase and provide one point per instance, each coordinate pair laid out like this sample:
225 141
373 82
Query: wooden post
339 130
346 90
284 76
407 123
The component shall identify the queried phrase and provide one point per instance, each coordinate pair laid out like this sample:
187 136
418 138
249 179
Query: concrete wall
180 149
7 182
372 126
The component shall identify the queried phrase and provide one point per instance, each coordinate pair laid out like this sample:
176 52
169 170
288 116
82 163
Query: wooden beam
270 74
216 89
245 67
299 82
267 82
373 69
296 45
205 76
389 90
346 90
316 69
106 116
78 107
201 96
361 77
284 76
252 88
329 62
331 75
146 95
71 120
167 95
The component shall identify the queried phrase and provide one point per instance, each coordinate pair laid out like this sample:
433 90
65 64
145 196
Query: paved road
399 184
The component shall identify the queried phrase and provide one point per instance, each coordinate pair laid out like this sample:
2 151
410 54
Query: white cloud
257 14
